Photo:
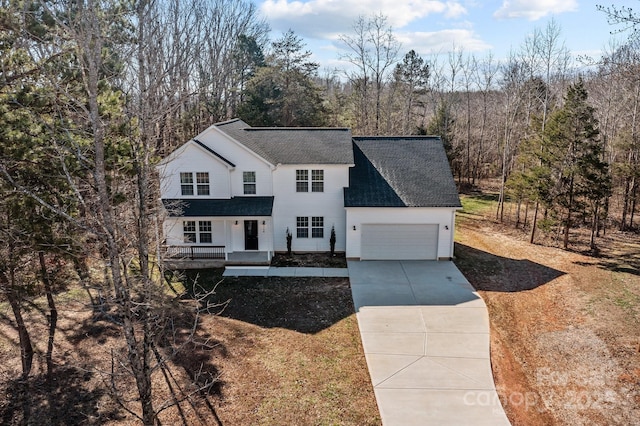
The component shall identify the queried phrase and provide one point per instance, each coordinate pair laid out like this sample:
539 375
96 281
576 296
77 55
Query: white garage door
399 242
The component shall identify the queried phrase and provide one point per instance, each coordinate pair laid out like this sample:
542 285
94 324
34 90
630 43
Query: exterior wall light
354 227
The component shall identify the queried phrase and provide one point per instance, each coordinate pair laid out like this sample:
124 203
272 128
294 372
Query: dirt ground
565 327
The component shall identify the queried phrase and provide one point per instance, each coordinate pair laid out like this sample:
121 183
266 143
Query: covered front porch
200 257
212 233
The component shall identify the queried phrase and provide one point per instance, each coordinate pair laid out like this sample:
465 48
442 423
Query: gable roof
411 171
293 145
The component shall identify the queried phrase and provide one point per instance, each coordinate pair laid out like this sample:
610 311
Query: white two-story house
234 192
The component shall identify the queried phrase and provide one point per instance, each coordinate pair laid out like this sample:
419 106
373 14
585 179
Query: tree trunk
91 45
534 224
80 265
625 204
53 314
568 220
594 227
633 202
26 349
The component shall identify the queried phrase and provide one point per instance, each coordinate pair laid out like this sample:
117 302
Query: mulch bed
310 260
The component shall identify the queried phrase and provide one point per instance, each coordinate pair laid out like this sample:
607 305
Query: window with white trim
204 231
202 234
201 183
302 227
186 183
302 180
249 182
317 180
317 227
189 231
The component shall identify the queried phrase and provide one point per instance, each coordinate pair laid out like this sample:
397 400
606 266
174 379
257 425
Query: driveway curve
425 333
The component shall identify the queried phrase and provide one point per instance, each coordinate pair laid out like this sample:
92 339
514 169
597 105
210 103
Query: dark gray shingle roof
410 171
236 206
293 145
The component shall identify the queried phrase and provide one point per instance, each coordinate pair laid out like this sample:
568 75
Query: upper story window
186 183
201 183
302 180
249 182
317 180
202 180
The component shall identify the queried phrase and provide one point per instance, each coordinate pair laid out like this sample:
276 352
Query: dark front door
251 235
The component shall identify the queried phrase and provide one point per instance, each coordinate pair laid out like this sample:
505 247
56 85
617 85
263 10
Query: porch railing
195 252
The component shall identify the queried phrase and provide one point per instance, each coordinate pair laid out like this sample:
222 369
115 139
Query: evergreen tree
283 93
412 75
442 124
572 154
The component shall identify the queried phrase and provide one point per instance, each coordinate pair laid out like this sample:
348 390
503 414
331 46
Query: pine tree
572 152
283 93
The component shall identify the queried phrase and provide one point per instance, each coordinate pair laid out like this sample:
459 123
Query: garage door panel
399 241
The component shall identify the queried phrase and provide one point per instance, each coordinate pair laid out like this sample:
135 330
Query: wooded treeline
94 93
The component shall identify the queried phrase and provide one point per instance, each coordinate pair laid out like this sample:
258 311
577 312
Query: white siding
399 242
173 231
244 159
236 233
443 217
194 159
289 204
225 232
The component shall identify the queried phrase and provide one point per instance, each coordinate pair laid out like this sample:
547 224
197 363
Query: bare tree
373 50
485 74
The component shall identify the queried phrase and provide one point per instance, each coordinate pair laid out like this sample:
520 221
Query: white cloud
534 9
427 43
327 18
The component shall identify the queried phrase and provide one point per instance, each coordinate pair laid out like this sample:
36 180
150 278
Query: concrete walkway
425 333
272 271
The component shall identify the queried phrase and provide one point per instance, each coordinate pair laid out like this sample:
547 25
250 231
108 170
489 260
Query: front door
251 235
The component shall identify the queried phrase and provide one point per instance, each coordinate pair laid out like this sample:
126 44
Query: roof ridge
298 128
398 137
232 120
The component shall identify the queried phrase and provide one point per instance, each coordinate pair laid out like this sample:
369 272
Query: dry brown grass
564 325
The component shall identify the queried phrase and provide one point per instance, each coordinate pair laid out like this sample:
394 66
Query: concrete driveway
425 333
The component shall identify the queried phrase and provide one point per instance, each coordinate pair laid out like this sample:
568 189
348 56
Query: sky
436 27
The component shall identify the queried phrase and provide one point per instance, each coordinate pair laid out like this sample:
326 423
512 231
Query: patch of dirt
315 260
564 326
